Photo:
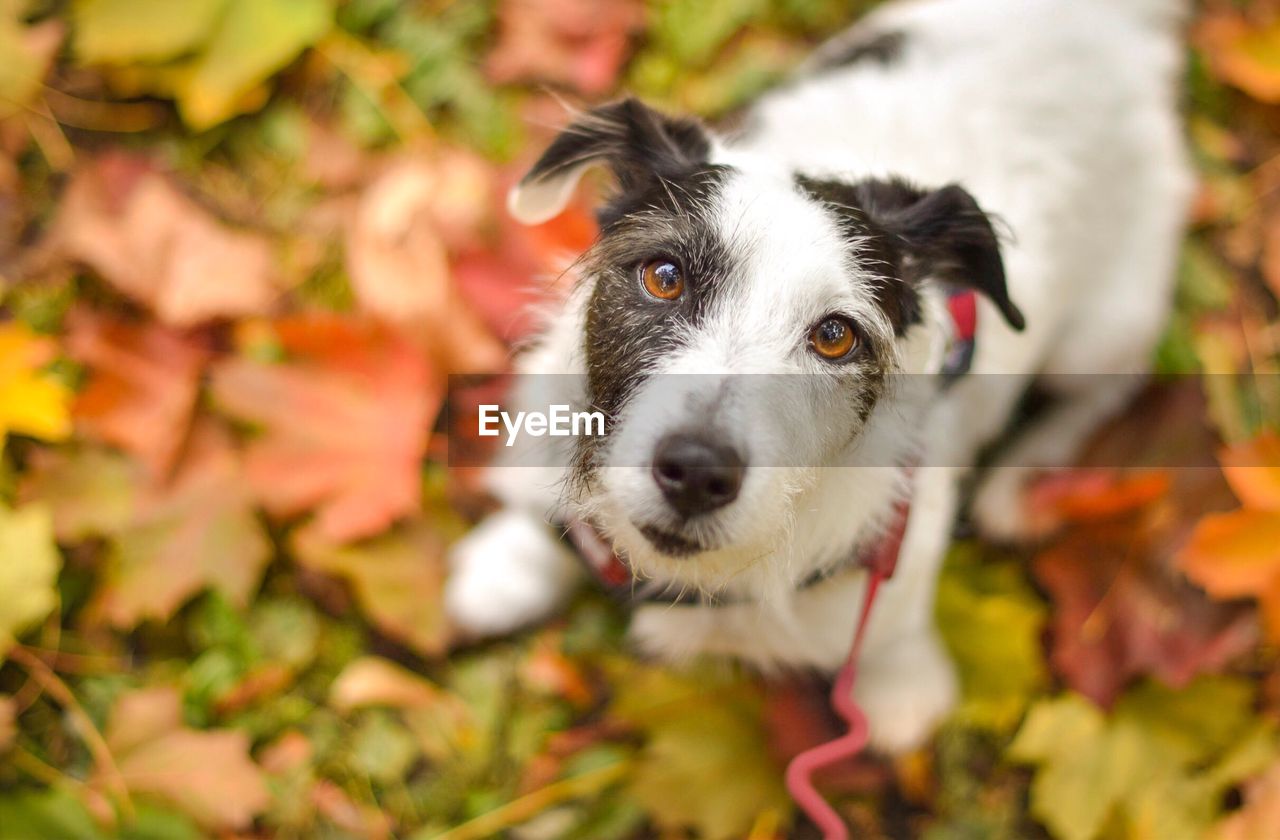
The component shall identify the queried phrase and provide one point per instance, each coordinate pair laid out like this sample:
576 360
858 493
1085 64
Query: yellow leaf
29 564
1234 554
126 31
1253 470
31 402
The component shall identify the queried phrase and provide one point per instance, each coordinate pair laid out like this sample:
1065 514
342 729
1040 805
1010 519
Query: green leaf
51 814
29 564
255 39
705 764
991 622
127 31
1145 766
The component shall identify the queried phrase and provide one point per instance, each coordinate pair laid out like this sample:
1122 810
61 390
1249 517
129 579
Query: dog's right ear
637 143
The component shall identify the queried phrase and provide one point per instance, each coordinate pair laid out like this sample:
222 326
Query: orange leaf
1234 554
345 424
1081 495
142 385
160 248
1242 54
1253 470
399 265
197 530
207 775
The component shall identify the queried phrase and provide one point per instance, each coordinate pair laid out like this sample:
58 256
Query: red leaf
143 381
345 423
160 248
574 42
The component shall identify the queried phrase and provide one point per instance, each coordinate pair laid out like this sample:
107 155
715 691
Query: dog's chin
670 544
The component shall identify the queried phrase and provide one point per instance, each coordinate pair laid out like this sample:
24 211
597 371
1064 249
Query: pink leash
801 769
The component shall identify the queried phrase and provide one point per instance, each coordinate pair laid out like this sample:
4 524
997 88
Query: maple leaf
206 774
345 423
195 530
399 263
92 492
142 385
1121 610
374 681
29 564
1237 554
1241 53
31 401
134 228
574 42
699 728
397 578
1159 765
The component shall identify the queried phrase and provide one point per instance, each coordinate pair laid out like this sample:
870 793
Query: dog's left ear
943 235
636 143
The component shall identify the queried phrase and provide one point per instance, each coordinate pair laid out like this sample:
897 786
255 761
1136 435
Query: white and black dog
818 246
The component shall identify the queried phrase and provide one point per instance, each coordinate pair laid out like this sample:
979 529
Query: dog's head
740 326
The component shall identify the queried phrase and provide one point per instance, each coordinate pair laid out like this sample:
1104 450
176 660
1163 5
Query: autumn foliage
243 246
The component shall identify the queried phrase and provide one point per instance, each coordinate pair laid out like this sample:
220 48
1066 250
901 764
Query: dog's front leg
510 571
906 681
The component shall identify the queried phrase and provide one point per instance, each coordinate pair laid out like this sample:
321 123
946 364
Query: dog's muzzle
696 474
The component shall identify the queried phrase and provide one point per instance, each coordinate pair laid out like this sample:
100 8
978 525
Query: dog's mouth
668 543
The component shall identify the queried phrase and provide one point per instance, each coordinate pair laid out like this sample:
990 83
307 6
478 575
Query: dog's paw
905 691
509 572
1000 507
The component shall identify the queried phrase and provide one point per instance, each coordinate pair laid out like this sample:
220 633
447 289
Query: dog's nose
697 475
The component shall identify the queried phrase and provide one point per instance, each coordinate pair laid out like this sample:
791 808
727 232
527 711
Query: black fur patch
640 145
883 48
940 234
627 330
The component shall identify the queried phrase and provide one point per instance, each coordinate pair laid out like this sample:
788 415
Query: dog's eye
663 279
833 338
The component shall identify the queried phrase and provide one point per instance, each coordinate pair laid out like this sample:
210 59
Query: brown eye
662 279
833 338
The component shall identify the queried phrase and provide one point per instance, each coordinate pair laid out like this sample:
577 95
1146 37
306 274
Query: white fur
1058 116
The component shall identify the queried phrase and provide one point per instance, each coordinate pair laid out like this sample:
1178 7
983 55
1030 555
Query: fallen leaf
142 385
1121 609
698 728
31 401
197 530
399 263
991 622
573 42
374 681
397 578
1160 763
206 774
254 39
1237 554
109 30
1241 53
92 492
29 564
363 821
130 224
345 424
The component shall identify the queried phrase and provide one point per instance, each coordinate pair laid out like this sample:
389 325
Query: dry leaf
206 774
345 424
574 42
132 226
31 401
142 385
197 530
374 681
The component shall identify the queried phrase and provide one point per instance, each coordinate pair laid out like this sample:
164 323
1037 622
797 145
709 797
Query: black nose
697 475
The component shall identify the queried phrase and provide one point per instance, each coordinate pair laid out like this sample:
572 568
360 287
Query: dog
767 322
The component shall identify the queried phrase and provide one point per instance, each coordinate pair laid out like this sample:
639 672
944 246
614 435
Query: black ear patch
938 234
638 144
